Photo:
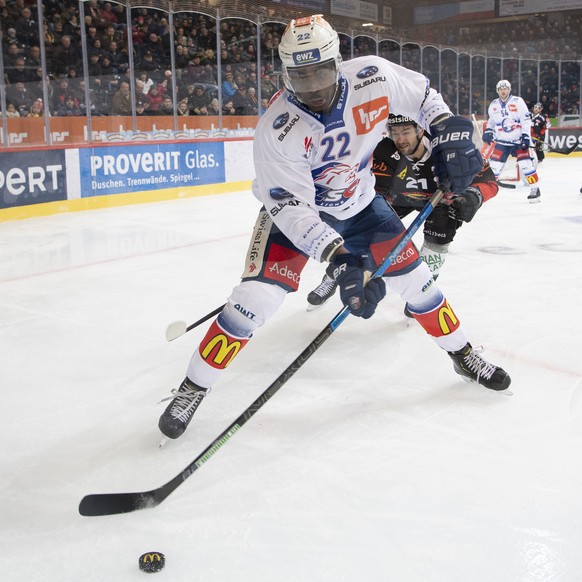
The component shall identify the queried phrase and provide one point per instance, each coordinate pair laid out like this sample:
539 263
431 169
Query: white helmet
310 54
503 84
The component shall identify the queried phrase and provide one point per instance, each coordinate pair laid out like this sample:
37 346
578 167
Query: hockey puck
152 562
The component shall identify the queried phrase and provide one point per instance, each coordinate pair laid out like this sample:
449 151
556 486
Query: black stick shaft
114 503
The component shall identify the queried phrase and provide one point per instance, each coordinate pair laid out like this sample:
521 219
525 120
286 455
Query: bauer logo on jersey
335 184
306 57
368 115
367 72
281 121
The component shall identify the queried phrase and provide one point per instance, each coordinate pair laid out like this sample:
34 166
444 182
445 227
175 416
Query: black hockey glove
455 155
465 205
525 141
489 136
349 273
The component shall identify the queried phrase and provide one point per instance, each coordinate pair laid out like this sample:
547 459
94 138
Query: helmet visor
312 78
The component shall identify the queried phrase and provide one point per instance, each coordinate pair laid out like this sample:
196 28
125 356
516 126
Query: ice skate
179 413
535 196
321 293
469 364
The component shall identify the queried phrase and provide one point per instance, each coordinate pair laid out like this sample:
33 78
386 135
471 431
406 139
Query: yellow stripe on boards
113 200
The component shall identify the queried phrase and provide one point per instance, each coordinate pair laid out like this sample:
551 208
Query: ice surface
375 462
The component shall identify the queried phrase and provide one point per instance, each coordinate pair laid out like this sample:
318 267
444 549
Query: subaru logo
281 121
279 193
367 72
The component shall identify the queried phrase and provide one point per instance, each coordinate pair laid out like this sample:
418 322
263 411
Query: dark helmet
394 120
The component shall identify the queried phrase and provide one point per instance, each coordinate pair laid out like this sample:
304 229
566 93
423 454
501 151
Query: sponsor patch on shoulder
281 121
279 194
367 72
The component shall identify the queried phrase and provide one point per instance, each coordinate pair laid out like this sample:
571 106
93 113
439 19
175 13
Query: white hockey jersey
509 120
307 163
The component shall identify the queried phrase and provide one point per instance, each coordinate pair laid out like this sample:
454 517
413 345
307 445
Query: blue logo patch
307 57
367 72
281 121
279 194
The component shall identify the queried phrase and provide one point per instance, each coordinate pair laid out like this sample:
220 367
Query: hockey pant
273 269
527 165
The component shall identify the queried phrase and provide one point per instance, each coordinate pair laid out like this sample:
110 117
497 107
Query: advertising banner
513 7
454 11
120 169
355 9
32 178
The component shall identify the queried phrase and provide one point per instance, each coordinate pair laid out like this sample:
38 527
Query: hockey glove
525 142
465 205
455 155
489 136
349 273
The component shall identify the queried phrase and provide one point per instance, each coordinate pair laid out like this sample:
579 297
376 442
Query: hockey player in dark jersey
404 170
540 123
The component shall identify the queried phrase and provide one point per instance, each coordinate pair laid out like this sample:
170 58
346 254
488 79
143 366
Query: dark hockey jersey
539 124
407 183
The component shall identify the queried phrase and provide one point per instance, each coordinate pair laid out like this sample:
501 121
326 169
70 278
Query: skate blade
163 441
311 307
534 200
507 391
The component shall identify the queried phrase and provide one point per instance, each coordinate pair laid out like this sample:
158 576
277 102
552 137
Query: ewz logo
306 57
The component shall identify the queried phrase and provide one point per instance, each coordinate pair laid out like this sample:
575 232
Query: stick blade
115 503
175 330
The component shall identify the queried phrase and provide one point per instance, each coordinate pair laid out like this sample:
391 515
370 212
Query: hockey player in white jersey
313 158
509 126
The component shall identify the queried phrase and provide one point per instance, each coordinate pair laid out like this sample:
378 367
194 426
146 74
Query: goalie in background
509 126
540 124
403 166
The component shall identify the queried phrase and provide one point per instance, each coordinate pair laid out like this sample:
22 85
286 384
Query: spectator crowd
136 65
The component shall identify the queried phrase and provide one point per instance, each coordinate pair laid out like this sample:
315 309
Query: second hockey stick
115 503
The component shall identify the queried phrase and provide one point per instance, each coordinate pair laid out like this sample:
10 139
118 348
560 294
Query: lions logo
508 125
335 184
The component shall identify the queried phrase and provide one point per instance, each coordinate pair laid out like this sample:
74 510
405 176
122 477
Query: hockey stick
179 328
507 185
115 503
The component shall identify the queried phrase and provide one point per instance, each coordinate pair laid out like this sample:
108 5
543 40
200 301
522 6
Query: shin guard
443 325
215 353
